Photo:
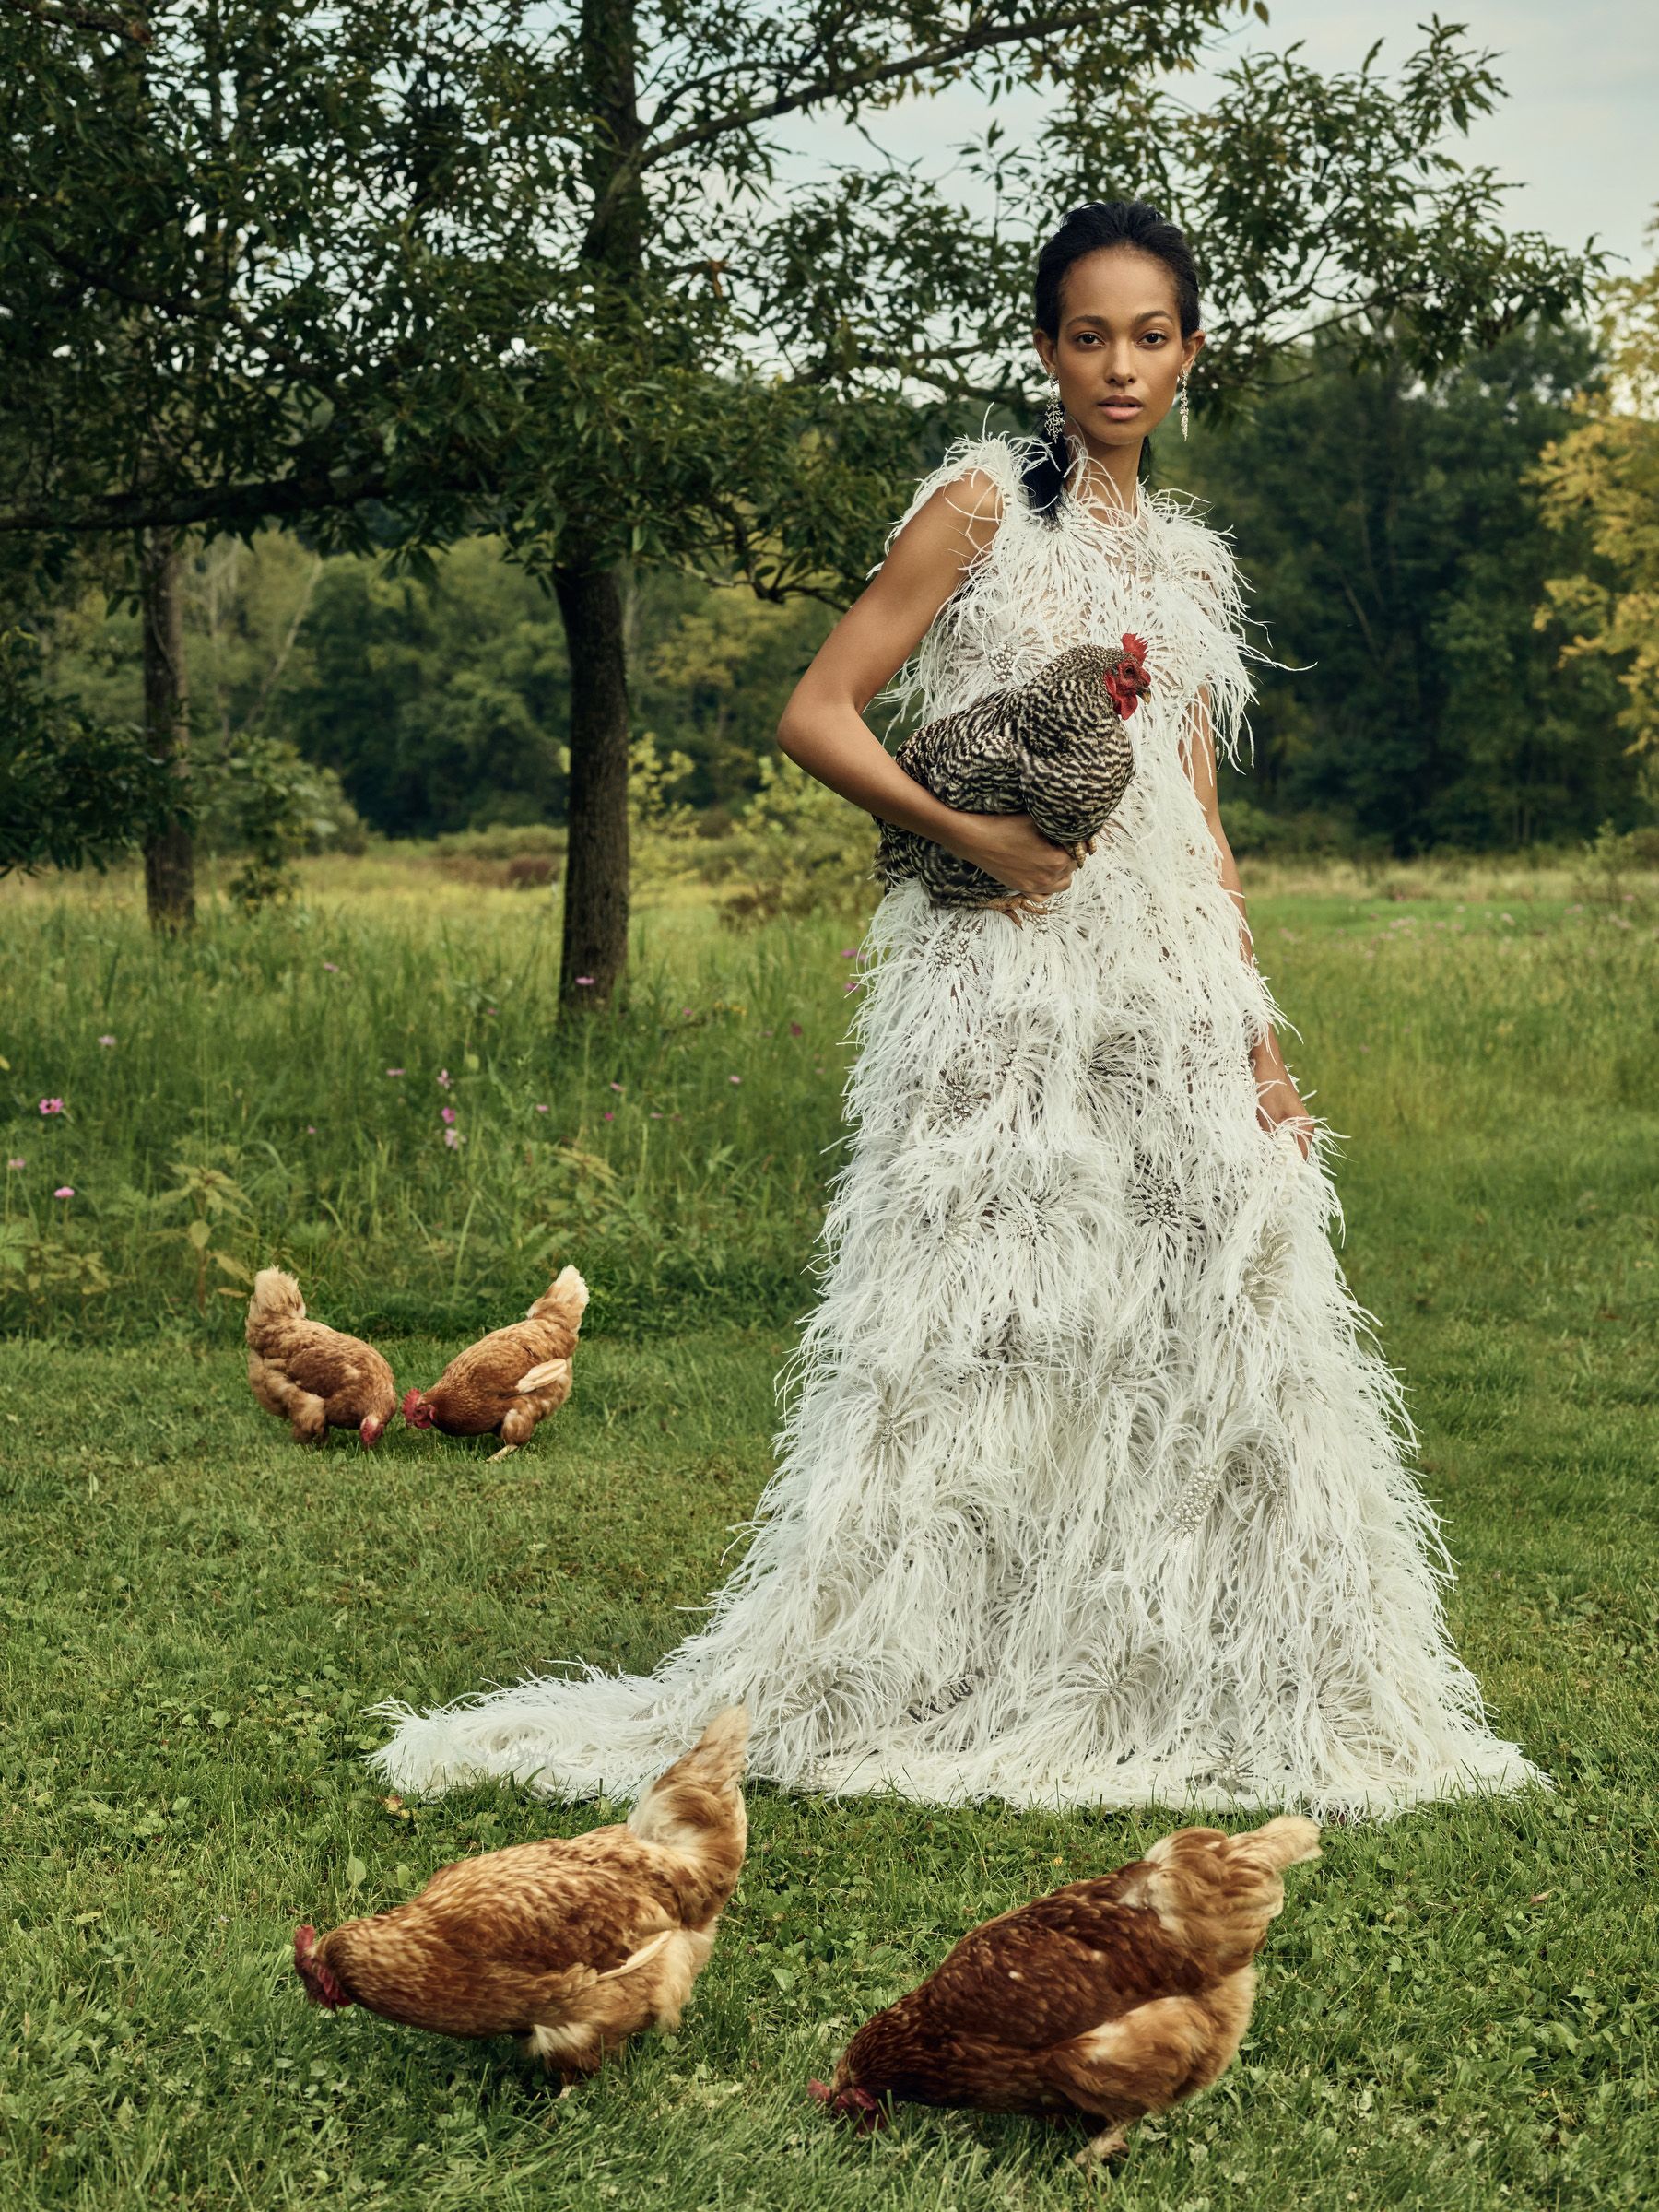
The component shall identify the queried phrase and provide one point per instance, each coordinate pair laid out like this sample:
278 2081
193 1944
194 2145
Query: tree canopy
408 271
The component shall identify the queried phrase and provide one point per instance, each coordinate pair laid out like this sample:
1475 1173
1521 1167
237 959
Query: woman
1091 1491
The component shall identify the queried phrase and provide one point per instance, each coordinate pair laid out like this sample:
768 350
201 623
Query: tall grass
372 1086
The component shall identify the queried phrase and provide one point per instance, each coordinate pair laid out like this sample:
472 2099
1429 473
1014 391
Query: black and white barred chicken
1054 749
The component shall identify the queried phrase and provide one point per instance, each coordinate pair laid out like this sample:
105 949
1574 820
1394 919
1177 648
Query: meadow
369 1086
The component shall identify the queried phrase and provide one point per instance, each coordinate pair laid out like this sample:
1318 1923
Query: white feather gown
1092 1488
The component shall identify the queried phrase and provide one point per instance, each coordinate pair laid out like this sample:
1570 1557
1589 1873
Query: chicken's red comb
821 2090
411 1400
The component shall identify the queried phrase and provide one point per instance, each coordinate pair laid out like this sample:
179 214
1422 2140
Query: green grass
1455 2010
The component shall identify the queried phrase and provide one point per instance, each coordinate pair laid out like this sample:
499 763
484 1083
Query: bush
75 791
797 849
1252 831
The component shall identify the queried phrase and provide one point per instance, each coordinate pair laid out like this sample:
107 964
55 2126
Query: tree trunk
168 858
593 587
595 878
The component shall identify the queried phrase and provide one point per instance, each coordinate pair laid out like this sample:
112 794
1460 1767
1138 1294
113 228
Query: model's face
1120 353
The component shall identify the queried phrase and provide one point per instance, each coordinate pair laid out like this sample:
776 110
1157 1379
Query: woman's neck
1109 474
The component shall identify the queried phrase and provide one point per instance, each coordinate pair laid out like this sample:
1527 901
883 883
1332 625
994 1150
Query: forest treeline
1392 535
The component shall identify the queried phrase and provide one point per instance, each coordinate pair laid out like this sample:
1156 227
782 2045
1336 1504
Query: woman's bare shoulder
960 505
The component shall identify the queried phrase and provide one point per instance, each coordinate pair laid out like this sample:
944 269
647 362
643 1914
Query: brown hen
572 1944
310 1376
1109 1999
511 1379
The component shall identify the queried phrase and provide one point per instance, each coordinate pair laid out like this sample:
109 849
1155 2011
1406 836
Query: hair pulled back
1084 231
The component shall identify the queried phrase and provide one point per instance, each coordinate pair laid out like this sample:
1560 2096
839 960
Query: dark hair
1084 231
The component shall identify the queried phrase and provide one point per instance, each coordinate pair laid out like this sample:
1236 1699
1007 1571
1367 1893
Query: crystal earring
1053 415
1186 411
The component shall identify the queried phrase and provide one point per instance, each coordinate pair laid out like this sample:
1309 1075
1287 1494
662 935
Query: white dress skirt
1092 1488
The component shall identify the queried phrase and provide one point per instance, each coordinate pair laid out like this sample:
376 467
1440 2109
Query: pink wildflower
849 952
52 1105
329 968
734 1078
106 1040
65 1190
608 1116
540 1109
616 1086
796 1029
586 980
394 1071
453 1140
14 1164
443 1078
447 1113
686 1010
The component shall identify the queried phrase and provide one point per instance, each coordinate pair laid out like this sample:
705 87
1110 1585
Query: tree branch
834 85
224 504
69 15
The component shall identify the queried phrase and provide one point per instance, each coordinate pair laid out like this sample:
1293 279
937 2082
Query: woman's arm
823 725
1276 1099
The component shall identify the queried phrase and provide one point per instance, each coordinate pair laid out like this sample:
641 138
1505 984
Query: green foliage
212 1204
1393 540
75 791
260 800
447 288
441 699
798 848
1600 487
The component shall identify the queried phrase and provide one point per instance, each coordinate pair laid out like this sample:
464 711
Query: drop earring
1186 411
1053 415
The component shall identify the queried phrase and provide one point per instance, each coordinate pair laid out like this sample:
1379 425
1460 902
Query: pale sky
1578 131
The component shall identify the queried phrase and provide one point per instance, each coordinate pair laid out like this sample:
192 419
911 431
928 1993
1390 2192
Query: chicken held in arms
1055 748
309 1375
573 1943
1108 1999
511 1379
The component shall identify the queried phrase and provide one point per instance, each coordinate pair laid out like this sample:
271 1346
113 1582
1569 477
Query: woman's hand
1277 1104
1012 847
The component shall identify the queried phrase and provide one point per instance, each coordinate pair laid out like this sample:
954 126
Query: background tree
1391 529
408 271
1600 482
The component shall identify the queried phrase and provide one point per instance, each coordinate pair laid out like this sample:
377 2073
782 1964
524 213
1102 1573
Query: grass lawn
1455 2010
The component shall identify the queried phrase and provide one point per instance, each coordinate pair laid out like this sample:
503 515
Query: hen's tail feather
713 1766
1287 1841
275 1298
566 1295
